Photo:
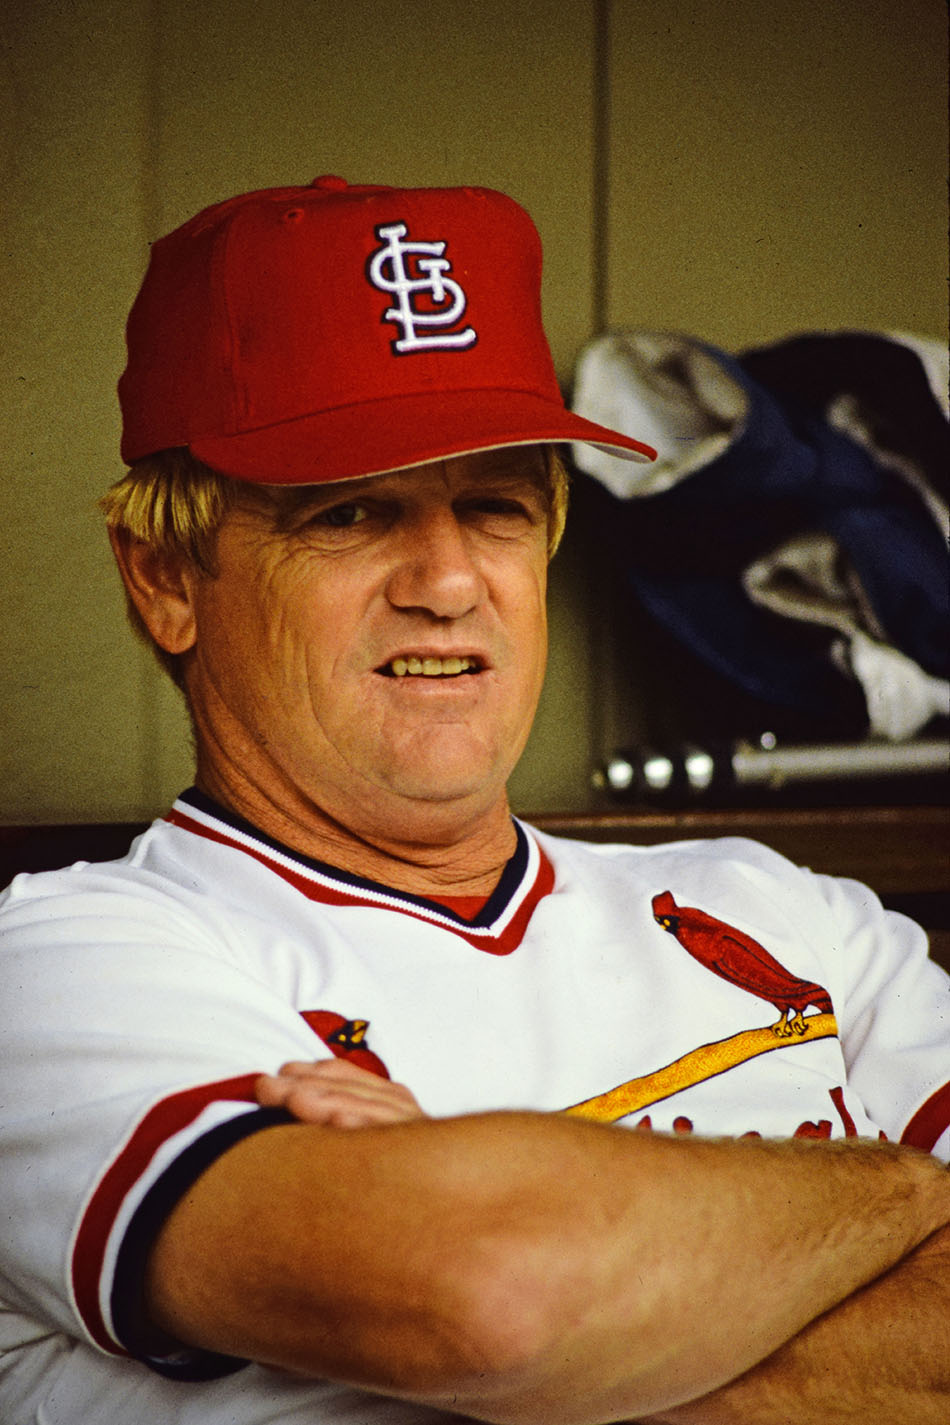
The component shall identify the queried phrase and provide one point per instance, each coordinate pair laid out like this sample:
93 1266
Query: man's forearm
710 1318
882 1357
521 1268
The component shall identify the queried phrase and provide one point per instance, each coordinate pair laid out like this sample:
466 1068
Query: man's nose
435 569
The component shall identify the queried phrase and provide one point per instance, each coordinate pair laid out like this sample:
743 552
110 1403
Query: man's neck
462 859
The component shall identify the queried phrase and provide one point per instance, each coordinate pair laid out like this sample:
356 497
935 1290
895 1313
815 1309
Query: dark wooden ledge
896 850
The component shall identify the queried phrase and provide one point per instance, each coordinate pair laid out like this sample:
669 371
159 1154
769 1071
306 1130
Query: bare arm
886 1349
883 1354
526 1268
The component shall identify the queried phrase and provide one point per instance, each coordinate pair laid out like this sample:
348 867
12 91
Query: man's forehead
513 462
505 462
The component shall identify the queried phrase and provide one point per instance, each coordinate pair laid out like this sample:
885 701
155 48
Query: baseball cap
302 334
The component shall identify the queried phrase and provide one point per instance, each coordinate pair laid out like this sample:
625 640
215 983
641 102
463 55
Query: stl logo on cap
387 270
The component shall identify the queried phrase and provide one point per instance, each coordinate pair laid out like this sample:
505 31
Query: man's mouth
413 667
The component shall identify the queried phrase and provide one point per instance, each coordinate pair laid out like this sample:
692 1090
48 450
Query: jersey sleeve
131 1035
892 1004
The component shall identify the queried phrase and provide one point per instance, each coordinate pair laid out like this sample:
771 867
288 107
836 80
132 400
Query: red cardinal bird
742 961
346 1038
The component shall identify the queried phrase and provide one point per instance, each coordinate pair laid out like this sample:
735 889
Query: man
310 1101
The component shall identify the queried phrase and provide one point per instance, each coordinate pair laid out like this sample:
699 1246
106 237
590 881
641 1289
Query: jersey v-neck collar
498 928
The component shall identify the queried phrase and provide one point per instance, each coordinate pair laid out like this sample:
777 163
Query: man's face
376 647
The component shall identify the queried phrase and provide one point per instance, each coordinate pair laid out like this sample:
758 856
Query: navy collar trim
498 926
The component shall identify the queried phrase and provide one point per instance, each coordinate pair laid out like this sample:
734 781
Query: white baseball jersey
700 987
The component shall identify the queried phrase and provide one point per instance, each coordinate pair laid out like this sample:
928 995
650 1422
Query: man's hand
337 1095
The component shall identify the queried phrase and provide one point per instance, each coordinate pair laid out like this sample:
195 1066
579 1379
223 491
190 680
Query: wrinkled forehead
507 465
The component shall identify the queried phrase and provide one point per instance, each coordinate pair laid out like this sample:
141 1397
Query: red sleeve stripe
161 1123
930 1121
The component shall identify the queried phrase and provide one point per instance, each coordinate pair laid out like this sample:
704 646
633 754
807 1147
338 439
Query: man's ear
161 586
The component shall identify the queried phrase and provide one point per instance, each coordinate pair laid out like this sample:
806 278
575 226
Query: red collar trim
529 871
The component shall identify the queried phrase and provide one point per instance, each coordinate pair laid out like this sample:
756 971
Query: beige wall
765 168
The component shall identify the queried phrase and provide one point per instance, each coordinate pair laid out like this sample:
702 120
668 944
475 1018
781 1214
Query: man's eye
343 516
496 505
500 507
502 510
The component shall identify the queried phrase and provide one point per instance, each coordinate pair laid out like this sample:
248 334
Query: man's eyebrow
515 487
513 479
507 469
285 505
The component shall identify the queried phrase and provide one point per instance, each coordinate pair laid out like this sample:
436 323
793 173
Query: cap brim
375 437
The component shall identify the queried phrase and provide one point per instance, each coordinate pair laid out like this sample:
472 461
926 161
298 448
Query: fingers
337 1094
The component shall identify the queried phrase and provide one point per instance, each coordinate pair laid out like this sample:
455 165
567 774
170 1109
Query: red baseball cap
296 335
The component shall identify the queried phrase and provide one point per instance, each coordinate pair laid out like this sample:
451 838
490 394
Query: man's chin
444 793
440 799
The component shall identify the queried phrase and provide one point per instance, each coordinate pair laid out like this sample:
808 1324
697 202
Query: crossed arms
530 1270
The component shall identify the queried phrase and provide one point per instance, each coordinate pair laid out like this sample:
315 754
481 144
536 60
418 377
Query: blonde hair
175 504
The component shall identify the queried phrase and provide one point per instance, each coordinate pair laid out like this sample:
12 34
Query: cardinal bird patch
742 961
345 1038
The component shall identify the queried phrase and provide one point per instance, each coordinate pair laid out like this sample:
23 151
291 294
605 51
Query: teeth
432 667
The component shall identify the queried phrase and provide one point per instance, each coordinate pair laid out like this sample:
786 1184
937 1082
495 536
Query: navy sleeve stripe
168 1357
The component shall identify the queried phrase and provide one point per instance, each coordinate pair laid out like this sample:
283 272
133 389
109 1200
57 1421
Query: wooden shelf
895 850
